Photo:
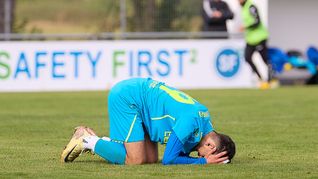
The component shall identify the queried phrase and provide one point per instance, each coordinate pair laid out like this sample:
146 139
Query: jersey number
178 95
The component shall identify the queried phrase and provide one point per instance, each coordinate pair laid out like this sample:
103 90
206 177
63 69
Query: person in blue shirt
144 112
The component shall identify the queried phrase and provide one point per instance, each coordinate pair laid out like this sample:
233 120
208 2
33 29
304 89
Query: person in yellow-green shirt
256 36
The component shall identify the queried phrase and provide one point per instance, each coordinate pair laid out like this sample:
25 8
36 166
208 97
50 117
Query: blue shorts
125 121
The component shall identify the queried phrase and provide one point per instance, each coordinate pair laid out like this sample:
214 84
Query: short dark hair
226 144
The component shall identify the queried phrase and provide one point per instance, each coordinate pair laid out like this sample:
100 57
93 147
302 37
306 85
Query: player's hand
217 14
216 158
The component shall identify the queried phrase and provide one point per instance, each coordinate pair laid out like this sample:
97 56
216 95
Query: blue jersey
159 109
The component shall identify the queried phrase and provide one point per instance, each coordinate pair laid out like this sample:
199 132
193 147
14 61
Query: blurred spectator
215 14
256 36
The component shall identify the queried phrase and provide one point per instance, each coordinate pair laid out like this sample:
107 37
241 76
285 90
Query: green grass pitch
275 132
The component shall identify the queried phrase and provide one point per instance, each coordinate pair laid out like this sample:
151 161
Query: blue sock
113 152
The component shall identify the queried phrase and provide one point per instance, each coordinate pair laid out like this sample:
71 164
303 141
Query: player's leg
126 144
110 150
135 153
141 152
151 150
249 50
125 129
263 50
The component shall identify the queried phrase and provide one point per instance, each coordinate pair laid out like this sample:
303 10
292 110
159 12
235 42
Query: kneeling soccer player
144 112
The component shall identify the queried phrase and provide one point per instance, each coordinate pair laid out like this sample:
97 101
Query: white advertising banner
98 65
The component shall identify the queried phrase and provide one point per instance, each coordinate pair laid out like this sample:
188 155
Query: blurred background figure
215 14
256 36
